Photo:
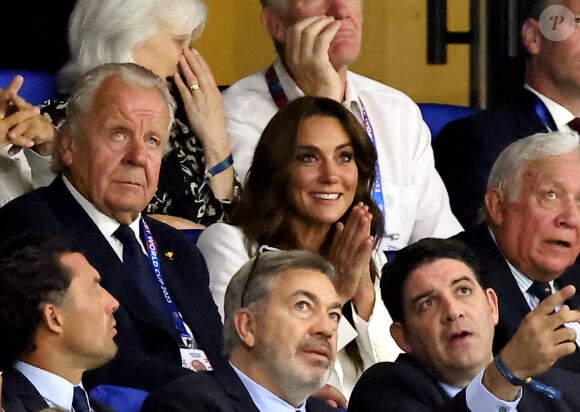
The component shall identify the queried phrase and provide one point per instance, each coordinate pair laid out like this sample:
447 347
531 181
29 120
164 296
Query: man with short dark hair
57 322
280 335
444 320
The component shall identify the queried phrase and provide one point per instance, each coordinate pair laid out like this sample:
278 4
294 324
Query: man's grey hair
81 101
252 285
107 31
509 168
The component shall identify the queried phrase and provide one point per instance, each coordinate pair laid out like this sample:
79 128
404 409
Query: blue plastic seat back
38 85
120 398
437 115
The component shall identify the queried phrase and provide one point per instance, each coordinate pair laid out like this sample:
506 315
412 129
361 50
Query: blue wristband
214 170
529 381
218 168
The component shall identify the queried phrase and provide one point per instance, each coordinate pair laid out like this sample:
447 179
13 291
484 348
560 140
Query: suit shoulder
183 393
401 384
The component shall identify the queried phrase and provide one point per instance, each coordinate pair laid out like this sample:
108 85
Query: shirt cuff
479 399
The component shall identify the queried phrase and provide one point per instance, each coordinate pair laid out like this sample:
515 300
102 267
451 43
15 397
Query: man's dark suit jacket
20 395
217 391
513 307
466 149
404 385
148 344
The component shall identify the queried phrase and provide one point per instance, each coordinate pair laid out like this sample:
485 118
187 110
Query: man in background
549 101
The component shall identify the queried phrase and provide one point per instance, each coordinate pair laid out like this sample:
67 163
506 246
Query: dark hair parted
264 212
30 274
424 252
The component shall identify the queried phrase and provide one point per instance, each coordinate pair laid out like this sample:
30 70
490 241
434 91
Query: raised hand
21 124
350 253
307 59
205 113
542 338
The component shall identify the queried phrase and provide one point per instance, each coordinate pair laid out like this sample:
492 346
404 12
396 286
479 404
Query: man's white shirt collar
106 224
56 390
559 113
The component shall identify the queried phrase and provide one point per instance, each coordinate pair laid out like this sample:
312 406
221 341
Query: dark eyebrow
431 292
317 149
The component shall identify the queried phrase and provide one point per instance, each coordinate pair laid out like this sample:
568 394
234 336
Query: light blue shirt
263 398
56 391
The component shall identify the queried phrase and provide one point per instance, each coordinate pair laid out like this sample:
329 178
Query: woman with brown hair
310 187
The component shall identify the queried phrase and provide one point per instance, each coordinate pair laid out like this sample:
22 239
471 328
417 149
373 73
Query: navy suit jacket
466 149
148 354
404 385
20 395
513 307
217 391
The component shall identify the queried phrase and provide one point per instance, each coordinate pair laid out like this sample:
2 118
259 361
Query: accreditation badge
195 359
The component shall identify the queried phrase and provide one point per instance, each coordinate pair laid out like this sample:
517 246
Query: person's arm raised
307 59
539 342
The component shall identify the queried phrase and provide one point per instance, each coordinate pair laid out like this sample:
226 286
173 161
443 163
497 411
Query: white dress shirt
559 113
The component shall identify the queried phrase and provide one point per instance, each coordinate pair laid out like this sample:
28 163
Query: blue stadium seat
437 115
38 85
120 398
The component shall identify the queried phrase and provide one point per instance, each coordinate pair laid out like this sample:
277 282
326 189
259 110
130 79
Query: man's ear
493 304
51 318
531 36
272 20
400 336
494 206
245 325
65 145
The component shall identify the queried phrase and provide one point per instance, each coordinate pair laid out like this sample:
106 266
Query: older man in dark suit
444 320
550 100
109 153
530 242
280 325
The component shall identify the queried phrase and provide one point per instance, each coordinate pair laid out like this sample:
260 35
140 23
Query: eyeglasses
252 273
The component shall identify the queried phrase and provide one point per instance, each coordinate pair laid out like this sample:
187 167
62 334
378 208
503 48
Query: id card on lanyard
194 359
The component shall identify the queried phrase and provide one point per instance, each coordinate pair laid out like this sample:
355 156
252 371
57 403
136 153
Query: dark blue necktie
135 261
80 401
541 290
